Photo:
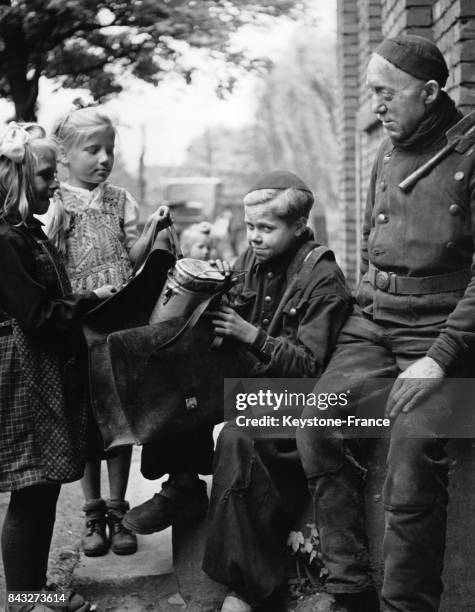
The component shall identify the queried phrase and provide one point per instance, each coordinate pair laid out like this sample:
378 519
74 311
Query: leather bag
148 382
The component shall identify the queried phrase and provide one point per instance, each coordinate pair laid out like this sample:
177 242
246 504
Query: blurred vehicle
192 199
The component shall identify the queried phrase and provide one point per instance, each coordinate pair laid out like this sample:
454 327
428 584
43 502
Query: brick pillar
349 82
454 33
407 17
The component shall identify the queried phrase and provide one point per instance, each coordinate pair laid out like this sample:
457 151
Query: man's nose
378 107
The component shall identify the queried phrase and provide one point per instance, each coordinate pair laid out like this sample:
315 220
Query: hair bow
13 141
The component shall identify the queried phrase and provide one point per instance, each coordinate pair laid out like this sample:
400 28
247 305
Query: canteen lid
197 270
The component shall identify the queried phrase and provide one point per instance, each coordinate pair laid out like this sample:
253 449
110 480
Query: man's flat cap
415 55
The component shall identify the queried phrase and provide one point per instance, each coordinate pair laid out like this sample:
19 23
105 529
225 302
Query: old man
414 324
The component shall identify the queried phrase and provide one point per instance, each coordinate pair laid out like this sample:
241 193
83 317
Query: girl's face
90 161
200 248
45 182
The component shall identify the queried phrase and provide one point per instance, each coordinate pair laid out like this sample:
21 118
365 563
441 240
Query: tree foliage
92 43
294 128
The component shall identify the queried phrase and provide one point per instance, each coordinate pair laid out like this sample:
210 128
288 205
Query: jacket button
382 218
268 299
458 176
265 322
383 185
270 275
454 209
450 245
293 311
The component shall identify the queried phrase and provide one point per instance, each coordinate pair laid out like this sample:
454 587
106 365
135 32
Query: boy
278 333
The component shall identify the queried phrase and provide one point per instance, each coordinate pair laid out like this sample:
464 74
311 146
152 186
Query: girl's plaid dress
43 414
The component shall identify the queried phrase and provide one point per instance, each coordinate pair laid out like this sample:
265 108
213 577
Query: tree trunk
24 91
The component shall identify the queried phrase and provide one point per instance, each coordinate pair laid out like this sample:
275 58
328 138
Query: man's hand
416 382
228 323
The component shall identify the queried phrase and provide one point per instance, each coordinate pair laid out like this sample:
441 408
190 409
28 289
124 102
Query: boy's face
267 234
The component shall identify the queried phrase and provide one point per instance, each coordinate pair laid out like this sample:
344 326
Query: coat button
268 299
454 209
458 176
265 322
270 275
450 245
383 185
293 311
382 218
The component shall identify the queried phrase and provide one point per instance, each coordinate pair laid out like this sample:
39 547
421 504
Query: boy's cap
279 179
415 55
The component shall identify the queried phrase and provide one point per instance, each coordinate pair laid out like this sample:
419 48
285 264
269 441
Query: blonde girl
94 224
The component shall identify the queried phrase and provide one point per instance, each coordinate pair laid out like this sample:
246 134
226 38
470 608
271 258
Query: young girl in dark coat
42 415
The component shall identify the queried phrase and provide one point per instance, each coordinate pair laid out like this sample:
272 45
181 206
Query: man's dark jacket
425 232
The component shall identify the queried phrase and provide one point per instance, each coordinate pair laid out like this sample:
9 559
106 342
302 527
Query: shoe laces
95 525
115 524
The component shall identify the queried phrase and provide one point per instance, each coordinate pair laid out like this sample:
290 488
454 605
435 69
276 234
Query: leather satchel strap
193 320
302 268
174 242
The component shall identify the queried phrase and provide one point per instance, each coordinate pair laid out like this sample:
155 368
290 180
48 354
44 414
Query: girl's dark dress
43 412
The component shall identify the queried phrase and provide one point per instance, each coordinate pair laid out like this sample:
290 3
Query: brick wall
348 54
361 26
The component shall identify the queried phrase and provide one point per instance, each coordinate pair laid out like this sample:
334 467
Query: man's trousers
415 489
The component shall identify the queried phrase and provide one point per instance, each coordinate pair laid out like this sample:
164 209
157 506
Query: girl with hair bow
43 415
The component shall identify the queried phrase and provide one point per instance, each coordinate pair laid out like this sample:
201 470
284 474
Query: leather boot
172 504
122 541
94 541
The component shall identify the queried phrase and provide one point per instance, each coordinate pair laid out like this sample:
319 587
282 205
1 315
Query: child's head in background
27 172
86 138
196 241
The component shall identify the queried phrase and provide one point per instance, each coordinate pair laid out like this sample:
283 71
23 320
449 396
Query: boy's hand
162 216
106 291
228 323
222 266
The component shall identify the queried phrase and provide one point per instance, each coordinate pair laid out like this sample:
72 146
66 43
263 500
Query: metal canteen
188 284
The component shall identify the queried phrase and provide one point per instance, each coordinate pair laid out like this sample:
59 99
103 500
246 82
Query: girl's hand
228 323
104 292
162 216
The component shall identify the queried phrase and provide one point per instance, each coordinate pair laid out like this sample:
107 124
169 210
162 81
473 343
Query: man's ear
300 226
431 92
